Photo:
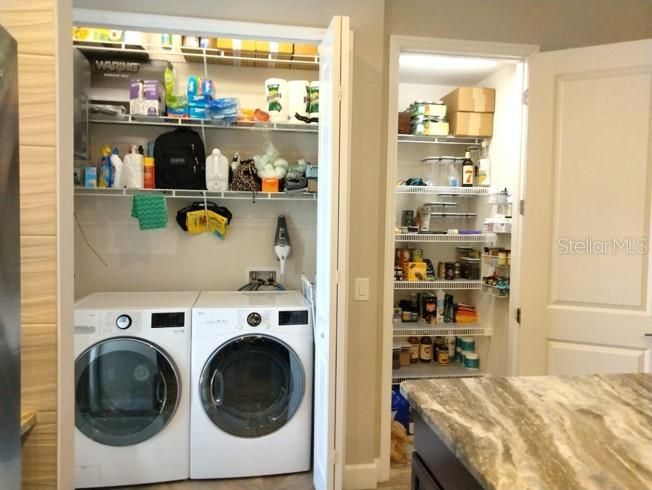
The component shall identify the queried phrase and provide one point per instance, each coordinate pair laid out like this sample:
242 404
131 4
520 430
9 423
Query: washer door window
127 390
252 385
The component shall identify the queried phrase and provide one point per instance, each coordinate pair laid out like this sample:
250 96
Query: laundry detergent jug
217 171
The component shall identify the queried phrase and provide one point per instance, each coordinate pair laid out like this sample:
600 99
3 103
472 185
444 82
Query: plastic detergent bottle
132 170
217 171
106 175
116 168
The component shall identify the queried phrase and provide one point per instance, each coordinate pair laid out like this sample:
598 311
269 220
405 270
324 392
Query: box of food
415 271
471 123
235 47
312 185
273 54
404 122
304 52
471 99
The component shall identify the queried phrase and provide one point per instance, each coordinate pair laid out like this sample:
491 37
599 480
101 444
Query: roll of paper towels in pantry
314 99
298 99
276 95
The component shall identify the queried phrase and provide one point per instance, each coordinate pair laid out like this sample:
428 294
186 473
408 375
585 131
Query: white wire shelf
502 293
433 370
444 238
184 54
197 194
441 190
439 284
441 140
139 120
406 329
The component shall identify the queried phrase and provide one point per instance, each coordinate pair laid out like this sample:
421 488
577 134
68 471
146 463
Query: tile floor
400 480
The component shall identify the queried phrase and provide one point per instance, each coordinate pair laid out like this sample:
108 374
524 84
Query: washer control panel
123 322
254 319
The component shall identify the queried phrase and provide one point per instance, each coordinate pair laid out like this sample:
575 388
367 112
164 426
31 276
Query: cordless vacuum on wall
282 242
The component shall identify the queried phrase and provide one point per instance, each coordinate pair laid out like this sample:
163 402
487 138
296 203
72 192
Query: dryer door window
252 385
126 391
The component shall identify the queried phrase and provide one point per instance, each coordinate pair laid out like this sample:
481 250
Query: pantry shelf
498 292
198 194
440 190
433 371
136 120
494 261
444 238
439 284
441 140
447 329
183 54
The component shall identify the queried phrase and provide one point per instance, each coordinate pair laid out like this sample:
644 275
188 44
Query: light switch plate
361 289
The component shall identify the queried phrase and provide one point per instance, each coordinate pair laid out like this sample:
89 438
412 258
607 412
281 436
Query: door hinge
518 316
339 93
521 207
526 97
334 456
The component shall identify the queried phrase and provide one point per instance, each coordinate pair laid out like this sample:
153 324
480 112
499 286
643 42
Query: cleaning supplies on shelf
282 242
177 104
276 94
150 210
116 168
133 171
105 170
217 171
148 173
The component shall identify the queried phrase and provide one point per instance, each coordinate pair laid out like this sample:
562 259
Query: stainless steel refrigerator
9 268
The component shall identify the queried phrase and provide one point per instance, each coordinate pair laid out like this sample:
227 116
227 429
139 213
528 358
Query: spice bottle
425 349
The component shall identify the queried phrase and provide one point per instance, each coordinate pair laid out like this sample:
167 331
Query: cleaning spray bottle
133 169
217 171
282 242
116 167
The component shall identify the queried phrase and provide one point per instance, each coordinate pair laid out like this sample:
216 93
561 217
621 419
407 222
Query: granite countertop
544 432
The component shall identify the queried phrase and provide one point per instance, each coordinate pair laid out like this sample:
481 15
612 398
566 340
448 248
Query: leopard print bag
245 178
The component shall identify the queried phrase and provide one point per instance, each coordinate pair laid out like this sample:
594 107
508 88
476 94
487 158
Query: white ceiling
446 70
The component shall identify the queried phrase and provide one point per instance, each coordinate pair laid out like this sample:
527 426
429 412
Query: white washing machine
252 365
132 388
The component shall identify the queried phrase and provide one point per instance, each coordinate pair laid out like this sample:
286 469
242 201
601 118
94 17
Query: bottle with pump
467 170
484 166
217 171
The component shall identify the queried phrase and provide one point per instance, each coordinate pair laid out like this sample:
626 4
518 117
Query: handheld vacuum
282 242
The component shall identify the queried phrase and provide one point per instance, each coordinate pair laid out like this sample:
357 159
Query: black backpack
180 160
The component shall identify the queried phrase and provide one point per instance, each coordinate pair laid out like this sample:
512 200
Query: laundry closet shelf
136 120
440 190
198 194
406 329
433 370
185 54
443 238
441 140
438 284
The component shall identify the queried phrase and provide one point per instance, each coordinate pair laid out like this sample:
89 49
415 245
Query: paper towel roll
276 96
314 99
298 99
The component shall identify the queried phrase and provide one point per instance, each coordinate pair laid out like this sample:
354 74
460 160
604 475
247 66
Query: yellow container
415 271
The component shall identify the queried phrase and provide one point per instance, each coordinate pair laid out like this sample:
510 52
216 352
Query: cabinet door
586 284
332 231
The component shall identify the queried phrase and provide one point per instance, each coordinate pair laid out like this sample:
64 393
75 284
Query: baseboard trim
361 476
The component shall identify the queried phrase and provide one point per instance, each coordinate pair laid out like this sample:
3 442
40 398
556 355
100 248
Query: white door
332 232
586 285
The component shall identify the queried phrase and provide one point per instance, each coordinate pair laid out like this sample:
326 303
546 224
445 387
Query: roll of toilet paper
314 99
298 99
276 96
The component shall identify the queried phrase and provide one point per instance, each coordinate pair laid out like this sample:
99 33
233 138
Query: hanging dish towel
150 210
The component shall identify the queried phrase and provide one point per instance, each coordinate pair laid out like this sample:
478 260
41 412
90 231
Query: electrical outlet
264 273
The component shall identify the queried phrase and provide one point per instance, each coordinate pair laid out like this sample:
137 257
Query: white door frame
164 23
397 45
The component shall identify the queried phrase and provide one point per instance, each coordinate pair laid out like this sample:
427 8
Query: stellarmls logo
613 246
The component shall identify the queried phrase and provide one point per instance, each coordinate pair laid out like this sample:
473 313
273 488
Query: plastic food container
472 360
467 344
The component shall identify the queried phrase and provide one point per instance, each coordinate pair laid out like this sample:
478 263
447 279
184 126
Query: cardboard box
312 185
273 54
235 47
415 271
471 99
471 123
305 52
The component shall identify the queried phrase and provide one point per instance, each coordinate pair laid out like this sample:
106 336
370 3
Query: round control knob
254 319
123 322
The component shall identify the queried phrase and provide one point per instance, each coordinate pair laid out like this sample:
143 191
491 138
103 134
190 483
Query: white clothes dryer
252 369
132 388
